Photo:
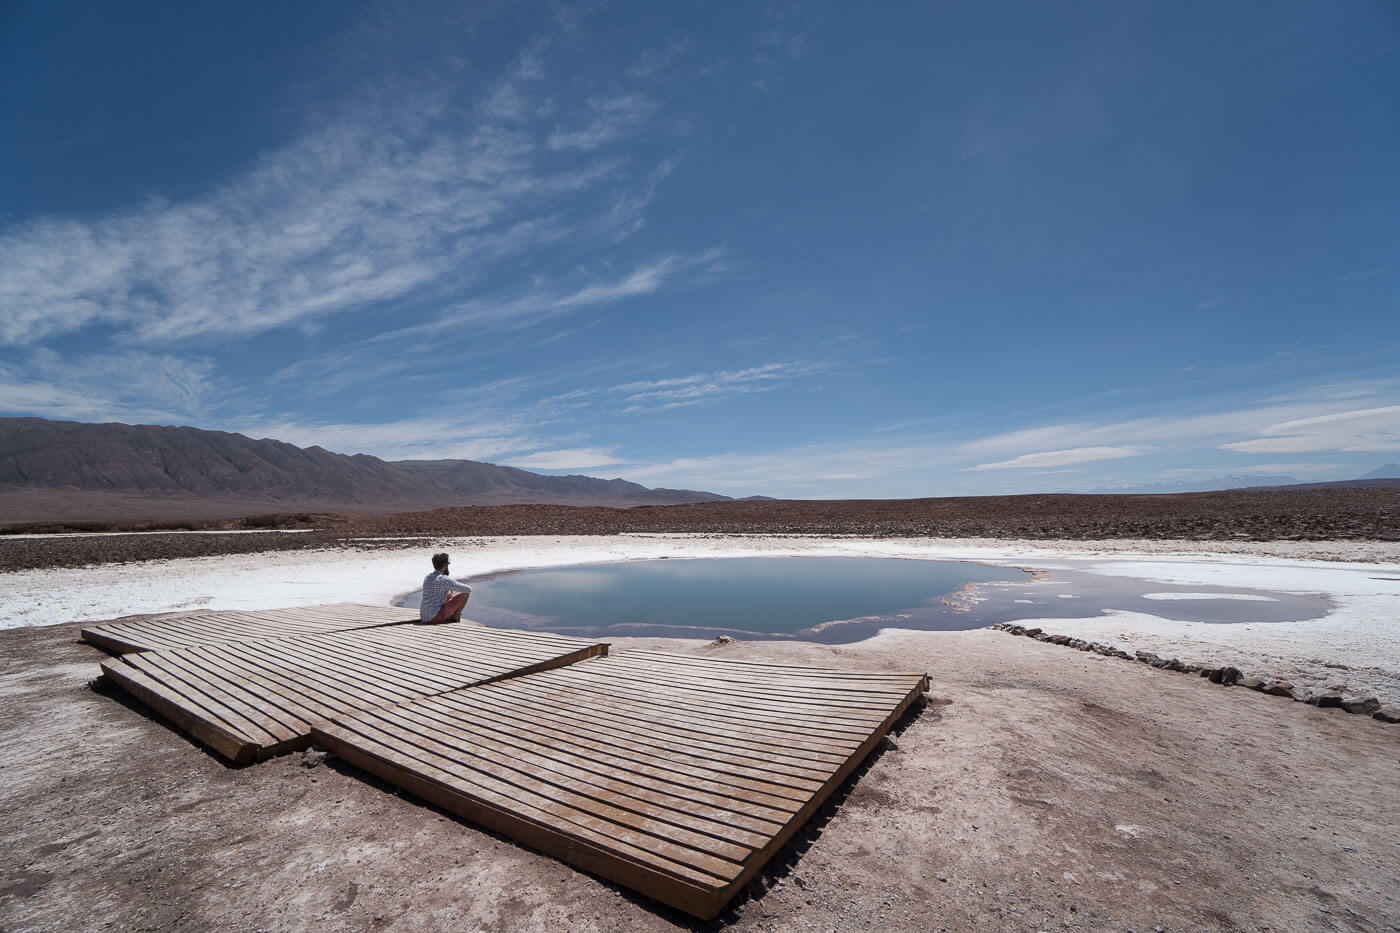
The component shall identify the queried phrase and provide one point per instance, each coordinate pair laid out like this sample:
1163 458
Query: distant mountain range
1230 481
70 470
1387 475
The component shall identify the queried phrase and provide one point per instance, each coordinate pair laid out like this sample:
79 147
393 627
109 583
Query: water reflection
832 599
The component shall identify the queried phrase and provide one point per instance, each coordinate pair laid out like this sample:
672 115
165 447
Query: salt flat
1355 645
1043 787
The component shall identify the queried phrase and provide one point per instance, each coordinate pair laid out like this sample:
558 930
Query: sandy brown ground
1278 515
1042 789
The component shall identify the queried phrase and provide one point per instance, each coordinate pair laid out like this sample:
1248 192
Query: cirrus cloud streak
1057 458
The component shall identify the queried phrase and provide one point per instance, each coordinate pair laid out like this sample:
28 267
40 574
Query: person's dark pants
451 610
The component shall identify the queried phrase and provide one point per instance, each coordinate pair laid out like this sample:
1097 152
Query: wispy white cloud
703 388
1056 458
577 458
121 385
796 45
399 197
1340 391
1297 467
1364 429
426 437
807 470
532 308
1221 428
611 119
348 216
655 60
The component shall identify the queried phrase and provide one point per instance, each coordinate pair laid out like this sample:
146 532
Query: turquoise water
771 595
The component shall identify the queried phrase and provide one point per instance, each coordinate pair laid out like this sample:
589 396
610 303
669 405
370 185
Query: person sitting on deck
437 605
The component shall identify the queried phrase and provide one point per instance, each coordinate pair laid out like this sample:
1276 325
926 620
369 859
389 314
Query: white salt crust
1355 648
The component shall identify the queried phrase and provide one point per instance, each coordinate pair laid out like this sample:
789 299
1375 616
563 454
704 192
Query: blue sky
808 250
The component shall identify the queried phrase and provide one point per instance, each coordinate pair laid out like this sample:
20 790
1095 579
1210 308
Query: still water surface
774 595
841 599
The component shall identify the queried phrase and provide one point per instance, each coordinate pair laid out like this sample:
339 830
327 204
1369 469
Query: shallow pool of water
837 599
770 595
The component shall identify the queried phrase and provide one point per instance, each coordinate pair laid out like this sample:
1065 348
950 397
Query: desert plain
1038 788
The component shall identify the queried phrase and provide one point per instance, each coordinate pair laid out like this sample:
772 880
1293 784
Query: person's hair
439 561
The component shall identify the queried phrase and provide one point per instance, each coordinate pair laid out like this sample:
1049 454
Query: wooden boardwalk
673 775
207 627
261 697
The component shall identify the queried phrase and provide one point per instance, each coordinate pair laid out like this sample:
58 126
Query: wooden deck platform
207 627
261 697
676 776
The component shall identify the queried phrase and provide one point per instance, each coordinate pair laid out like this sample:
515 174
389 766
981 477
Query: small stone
1365 706
1325 700
722 640
889 743
1229 676
314 757
1252 683
1387 714
1280 688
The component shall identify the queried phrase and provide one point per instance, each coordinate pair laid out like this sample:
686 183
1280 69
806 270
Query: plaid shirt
436 586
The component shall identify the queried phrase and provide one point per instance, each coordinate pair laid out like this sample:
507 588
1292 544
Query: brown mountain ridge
73 470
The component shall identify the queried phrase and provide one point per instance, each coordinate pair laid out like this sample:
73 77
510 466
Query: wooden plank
492 724
723 896
612 817
581 776
794 719
677 776
108 641
178 710
179 674
222 626
622 778
641 872
335 688
266 693
758 736
635 756
653 734
819 688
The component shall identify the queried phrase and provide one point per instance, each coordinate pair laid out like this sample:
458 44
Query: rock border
1225 676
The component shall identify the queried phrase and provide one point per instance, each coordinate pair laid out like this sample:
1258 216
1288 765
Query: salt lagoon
1353 641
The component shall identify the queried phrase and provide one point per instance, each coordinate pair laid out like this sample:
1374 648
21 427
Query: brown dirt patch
1044 788
1254 515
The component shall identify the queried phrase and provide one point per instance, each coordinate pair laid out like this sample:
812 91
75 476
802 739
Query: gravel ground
1257 516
